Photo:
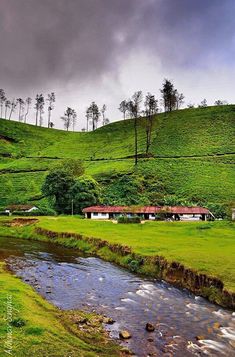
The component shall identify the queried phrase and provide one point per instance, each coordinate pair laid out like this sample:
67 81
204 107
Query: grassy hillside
192 154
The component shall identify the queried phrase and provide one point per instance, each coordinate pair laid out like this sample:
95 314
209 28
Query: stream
72 281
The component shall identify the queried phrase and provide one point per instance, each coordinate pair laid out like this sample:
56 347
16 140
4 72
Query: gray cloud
78 46
62 39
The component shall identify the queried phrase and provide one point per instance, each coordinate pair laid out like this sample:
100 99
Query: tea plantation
192 157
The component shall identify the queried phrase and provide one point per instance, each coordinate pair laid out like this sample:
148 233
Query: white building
20 208
148 212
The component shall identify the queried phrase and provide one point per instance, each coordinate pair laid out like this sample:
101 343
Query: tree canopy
68 191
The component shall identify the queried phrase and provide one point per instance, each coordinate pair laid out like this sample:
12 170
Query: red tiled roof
19 207
146 209
188 210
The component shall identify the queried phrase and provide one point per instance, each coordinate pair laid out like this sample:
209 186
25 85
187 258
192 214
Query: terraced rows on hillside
192 153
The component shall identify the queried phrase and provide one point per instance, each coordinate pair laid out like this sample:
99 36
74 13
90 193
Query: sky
105 50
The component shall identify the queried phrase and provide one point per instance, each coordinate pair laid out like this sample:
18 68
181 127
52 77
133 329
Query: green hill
192 156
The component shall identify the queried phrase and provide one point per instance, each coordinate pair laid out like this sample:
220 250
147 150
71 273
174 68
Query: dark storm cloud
52 43
59 39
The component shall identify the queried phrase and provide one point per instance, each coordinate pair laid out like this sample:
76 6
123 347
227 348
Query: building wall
99 215
191 217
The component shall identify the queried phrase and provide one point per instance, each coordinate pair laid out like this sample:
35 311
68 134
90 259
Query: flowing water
71 281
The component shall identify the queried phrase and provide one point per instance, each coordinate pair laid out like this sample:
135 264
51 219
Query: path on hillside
141 157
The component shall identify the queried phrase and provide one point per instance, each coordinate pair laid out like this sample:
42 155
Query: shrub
18 322
3 213
45 211
125 219
218 210
134 265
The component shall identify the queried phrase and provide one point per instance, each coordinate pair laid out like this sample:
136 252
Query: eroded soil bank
155 266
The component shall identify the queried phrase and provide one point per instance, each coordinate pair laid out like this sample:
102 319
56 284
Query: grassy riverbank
199 256
206 247
30 326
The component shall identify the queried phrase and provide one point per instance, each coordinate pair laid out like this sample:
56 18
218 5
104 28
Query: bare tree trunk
10 114
41 118
147 140
1 109
36 117
27 112
49 118
136 141
20 111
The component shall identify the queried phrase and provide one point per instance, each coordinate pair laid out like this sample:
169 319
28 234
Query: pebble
200 337
149 327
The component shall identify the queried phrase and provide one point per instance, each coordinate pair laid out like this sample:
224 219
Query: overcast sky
104 50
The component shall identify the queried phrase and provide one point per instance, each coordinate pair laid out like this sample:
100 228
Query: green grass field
205 247
44 330
193 152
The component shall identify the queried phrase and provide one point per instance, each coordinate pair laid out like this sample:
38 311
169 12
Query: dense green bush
219 211
39 212
125 219
68 193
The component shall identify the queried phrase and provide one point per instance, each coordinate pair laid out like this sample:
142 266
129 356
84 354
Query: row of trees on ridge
171 99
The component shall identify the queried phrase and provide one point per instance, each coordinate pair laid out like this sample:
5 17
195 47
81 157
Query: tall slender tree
151 109
67 118
39 105
28 102
13 105
88 118
74 118
179 99
123 107
41 112
7 106
2 100
134 111
103 110
169 95
95 115
51 101
21 103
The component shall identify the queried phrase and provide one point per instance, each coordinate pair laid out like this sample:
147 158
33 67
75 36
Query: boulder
124 334
108 320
